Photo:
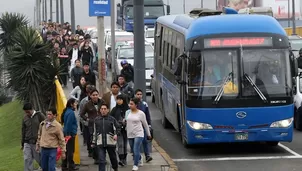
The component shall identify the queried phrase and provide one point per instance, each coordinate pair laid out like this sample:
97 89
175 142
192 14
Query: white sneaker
140 162
134 168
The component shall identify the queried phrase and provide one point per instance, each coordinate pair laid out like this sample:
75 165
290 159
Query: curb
165 155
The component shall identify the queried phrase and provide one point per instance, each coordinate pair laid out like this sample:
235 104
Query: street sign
99 8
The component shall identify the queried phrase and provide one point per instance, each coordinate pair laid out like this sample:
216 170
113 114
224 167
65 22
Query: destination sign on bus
238 42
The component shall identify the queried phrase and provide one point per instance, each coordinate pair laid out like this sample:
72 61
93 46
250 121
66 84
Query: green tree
30 68
9 23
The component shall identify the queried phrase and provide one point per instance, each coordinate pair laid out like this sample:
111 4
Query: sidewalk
161 161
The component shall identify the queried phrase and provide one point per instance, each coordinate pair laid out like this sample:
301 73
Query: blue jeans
135 144
146 145
48 159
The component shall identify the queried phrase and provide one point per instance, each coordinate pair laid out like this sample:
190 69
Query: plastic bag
59 150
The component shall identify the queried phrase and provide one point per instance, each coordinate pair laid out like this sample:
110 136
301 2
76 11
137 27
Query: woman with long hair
79 92
118 112
86 54
70 129
136 122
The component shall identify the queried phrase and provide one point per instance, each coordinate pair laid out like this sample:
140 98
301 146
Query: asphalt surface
227 157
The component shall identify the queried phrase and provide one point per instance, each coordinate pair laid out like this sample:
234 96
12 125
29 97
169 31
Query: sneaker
121 163
134 168
141 163
148 159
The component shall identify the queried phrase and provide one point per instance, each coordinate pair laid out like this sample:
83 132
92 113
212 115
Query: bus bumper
228 136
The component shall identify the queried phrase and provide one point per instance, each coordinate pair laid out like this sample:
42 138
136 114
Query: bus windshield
150 11
212 71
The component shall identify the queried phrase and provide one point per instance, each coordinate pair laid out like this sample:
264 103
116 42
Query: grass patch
11 155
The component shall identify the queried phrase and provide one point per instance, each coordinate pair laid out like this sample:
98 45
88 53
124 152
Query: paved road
228 157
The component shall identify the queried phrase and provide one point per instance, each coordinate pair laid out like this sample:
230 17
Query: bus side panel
226 124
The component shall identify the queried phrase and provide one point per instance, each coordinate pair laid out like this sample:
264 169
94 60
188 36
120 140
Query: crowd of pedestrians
108 123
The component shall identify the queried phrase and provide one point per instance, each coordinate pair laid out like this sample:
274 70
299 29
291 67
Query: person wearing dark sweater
30 127
70 129
119 113
76 74
88 74
143 106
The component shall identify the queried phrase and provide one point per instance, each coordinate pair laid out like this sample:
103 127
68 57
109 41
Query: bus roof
236 23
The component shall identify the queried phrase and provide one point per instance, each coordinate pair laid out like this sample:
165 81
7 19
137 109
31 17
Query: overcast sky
81 7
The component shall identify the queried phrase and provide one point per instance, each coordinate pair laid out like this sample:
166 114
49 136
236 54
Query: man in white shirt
110 97
73 55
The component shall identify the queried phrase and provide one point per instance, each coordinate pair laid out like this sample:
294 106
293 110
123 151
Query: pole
35 17
139 47
113 39
62 11
294 18
43 10
50 9
201 3
101 52
46 18
184 6
72 15
288 13
57 12
39 11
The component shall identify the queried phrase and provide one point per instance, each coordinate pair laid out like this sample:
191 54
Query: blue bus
224 78
152 10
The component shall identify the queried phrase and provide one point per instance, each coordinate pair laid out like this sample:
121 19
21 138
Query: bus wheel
184 142
165 122
272 143
153 98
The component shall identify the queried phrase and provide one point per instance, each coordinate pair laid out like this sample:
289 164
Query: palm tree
31 70
9 23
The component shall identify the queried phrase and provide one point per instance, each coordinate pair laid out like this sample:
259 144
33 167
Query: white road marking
289 150
238 158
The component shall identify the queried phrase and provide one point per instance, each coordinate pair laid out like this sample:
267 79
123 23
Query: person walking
91 108
118 112
143 106
105 137
76 73
30 128
136 123
78 92
50 137
70 129
88 74
110 97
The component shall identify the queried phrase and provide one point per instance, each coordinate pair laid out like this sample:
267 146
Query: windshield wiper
220 93
263 98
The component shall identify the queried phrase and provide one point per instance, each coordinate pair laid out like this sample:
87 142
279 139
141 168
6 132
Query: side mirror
168 9
118 5
151 76
296 72
294 85
109 49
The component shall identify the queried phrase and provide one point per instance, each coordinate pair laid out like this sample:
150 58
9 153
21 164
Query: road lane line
289 150
165 155
238 158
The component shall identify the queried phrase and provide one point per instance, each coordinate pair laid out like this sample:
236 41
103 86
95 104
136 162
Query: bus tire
184 142
165 122
153 98
272 143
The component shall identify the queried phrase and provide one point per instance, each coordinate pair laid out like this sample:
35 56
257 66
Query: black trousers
68 162
87 138
102 157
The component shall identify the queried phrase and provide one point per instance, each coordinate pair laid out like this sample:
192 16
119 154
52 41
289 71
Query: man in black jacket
30 128
127 71
105 138
88 74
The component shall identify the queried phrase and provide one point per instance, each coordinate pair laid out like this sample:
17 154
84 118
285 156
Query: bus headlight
282 124
199 126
